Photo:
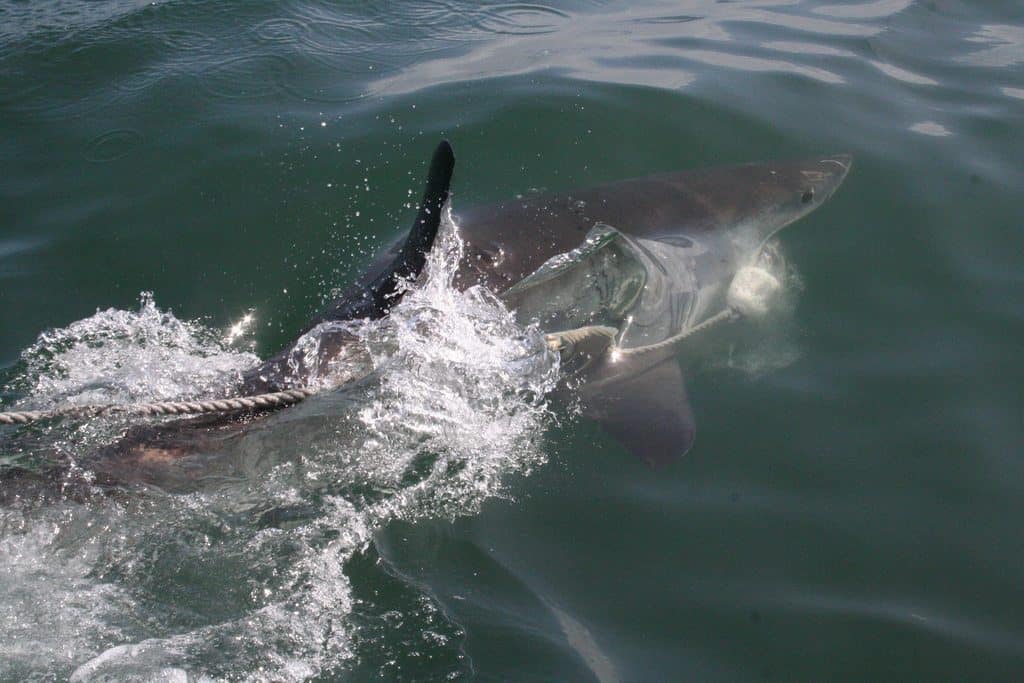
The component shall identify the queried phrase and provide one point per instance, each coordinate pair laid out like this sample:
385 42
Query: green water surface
854 514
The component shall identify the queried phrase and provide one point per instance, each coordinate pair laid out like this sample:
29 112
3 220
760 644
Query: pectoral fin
648 412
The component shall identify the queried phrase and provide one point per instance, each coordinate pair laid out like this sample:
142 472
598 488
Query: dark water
852 509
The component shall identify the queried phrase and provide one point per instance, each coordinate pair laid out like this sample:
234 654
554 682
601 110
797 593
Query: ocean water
183 183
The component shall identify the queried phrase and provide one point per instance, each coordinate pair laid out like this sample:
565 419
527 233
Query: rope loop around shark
617 275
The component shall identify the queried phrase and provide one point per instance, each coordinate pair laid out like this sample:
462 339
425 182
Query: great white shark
614 273
649 260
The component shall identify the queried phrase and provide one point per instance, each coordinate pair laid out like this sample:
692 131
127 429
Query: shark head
797 188
750 203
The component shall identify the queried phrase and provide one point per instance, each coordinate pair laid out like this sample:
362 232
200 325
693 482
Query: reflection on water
1006 46
302 50
656 46
930 128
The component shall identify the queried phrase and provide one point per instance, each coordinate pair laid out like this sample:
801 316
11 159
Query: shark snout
834 169
821 177
838 164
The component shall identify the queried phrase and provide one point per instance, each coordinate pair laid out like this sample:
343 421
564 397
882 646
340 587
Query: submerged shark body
641 261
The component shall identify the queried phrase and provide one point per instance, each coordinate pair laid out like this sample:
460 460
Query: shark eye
807 196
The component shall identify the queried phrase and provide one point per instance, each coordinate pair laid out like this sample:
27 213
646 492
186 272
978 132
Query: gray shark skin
656 256
691 231
509 241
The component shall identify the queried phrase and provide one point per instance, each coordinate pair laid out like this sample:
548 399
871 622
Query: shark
621 272
617 275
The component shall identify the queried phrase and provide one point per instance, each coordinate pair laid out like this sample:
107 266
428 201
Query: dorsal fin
374 297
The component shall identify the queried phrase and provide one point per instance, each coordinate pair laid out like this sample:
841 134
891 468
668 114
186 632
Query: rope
277 399
723 316
558 341
280 399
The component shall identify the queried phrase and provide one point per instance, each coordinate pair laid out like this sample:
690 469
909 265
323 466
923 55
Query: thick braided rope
280 399
721 317
556 340
277 399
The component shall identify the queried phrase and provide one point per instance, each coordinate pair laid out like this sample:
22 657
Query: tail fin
374 297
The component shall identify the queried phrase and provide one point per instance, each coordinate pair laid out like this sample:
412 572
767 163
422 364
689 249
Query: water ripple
603 47
747 63
249 77
516 19
186 40
112 145
878 9
281 30
902 74
935 130
801 48
48 21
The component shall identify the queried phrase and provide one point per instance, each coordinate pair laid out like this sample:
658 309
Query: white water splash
243 574
245 578
119 356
